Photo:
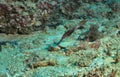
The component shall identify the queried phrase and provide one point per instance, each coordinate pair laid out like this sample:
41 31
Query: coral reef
23 18
59 38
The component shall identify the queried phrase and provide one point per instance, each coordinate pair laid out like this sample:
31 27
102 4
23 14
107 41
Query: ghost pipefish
69 32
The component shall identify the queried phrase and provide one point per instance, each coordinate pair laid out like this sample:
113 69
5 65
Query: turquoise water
59 38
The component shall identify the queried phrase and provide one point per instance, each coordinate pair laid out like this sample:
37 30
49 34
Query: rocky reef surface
59 38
